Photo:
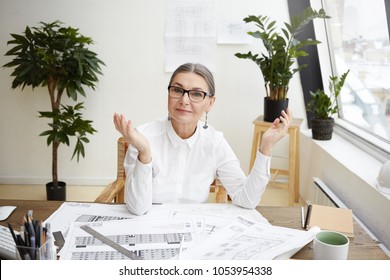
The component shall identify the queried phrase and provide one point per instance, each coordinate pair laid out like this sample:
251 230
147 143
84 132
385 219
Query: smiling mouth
183 111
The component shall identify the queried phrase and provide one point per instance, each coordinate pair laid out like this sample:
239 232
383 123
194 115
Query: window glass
359 41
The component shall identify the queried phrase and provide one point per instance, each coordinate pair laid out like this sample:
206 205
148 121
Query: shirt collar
176 140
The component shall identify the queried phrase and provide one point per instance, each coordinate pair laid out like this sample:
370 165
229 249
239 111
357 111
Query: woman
176 159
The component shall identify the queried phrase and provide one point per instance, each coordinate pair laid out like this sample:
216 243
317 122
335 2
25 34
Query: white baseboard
83 181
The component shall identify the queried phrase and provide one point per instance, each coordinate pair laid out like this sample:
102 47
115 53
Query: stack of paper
172 231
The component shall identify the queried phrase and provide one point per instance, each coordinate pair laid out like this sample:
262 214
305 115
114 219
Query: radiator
322 195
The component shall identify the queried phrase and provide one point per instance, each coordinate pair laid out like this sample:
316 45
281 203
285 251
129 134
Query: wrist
267 151
144 157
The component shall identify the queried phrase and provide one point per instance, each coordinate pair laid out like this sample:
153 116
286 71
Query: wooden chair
115 191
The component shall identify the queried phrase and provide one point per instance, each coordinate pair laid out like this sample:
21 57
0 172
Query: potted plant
323 106
57 57
277 63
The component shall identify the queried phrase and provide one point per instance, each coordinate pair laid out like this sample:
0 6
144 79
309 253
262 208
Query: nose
185 98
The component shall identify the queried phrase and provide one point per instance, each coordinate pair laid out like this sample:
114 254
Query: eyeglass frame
188 93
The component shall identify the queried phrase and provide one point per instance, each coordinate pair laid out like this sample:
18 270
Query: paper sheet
150 239
244 239
226 210
70 212
190 33
233 32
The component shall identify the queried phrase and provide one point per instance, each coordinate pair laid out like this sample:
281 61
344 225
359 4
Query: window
358 39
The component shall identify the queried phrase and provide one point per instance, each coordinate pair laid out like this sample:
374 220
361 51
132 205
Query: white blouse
183 170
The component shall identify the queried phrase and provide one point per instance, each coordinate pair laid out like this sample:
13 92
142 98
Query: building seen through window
359 41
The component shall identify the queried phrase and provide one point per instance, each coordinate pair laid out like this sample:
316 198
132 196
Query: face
183 111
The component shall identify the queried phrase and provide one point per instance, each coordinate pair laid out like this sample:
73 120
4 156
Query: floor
273 196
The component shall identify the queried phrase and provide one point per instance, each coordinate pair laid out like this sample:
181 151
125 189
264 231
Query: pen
37 228
30 214
31 226
302 217
44 233
32 247
27 230
13 234
23 252
18 242
22 234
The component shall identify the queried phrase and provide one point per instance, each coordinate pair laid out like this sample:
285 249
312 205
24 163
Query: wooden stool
293 164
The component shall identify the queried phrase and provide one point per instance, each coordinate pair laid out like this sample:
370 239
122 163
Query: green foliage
322 105
68 122
54 56
277 64
58 58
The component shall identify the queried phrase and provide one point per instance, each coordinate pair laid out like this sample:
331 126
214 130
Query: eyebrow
180 85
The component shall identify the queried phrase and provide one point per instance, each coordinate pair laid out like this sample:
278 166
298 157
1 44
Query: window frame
323 67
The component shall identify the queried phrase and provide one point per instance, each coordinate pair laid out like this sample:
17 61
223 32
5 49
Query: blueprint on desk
169 231
148 238
245 239
70 212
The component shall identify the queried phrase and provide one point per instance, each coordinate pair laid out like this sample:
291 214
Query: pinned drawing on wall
233 32
190 33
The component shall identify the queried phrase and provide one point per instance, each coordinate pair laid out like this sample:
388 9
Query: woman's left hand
277 131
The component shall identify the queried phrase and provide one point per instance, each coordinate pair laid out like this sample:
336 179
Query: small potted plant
57 57
281 51
323 106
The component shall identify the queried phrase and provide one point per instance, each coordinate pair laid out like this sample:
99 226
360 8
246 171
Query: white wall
129 38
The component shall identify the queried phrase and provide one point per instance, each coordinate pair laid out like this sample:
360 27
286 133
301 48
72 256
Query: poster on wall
190 33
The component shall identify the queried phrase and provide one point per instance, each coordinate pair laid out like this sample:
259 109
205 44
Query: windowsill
365 166
371 144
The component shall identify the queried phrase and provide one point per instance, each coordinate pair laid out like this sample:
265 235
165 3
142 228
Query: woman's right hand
134 138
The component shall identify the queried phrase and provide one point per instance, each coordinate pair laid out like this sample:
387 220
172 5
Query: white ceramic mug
330 245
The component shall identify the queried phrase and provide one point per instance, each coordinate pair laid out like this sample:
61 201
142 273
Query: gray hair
198 69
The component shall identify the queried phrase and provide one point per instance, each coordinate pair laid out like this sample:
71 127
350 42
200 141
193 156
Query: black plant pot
273 108
56 193
322 129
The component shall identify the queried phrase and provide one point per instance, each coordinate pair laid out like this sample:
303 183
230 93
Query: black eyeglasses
194 95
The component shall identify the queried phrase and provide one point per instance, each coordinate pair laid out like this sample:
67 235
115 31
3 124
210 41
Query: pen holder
45 252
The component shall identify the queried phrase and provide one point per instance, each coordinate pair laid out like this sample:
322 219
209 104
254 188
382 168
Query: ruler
131 255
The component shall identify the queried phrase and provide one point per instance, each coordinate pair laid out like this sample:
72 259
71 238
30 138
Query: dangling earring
205 122
169 117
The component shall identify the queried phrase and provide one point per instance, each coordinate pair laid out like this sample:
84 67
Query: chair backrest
122 149
115 191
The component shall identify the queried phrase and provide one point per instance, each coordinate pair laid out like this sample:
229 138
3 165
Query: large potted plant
277 63
57 57
323 106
